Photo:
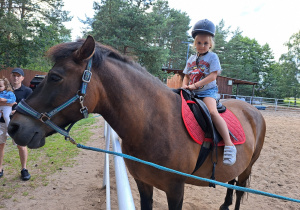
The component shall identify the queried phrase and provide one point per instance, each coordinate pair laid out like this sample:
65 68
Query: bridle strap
61 107
86 77
24 108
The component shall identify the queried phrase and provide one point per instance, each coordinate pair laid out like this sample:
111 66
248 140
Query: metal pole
187 53
252 93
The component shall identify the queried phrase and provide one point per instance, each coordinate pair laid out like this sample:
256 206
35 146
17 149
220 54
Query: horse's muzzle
23 135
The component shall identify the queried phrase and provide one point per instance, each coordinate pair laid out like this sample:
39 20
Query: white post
106 180
125 200
105 128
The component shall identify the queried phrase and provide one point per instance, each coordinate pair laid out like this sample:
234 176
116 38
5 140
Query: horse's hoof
224 207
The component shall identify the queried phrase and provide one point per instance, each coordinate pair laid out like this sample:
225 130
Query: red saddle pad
198 134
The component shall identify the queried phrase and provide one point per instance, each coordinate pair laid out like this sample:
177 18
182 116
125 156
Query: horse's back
254 127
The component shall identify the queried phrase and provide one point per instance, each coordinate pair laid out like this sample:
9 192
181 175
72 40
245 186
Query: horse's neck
131 100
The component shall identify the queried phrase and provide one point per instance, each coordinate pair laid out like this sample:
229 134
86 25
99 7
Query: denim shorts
212 92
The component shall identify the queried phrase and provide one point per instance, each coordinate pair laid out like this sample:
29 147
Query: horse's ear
86 51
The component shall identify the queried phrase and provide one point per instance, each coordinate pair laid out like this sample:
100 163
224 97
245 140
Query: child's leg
218 121
220 124
6 112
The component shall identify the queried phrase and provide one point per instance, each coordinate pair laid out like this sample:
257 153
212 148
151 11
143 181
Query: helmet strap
201 54
198 57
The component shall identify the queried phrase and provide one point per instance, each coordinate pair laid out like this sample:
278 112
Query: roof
239 81
175 71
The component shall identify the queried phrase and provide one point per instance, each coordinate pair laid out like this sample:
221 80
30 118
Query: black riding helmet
204 26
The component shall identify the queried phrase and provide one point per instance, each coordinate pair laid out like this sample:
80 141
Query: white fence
125 200
272 103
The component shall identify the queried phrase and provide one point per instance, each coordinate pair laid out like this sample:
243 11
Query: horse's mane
65 50
102 52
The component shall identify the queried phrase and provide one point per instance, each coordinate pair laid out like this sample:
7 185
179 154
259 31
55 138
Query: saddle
202 114
203 117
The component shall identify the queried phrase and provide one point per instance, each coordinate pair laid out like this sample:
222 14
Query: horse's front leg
146 195
175 195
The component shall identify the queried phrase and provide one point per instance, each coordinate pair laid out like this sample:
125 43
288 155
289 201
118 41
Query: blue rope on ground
189 175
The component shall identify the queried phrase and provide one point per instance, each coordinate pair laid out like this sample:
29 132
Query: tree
231 57
220 40
280 80
290 64
149 31
242 58
294 49
123 25
28 28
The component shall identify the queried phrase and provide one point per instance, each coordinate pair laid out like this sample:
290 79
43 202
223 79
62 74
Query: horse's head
62 83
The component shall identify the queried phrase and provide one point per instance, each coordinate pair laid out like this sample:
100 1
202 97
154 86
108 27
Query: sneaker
229 157
1 173
25 175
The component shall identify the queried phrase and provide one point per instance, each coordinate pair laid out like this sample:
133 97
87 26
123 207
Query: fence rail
271 103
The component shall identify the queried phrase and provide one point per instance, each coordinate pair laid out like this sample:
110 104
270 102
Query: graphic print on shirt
197 73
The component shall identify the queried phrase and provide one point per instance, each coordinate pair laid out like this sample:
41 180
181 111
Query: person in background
21 92
6 95
201 72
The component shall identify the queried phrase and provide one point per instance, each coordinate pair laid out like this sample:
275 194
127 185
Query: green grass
292 100
42 162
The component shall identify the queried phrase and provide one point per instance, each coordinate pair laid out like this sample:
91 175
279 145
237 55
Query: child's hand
3 99
192 87
185 87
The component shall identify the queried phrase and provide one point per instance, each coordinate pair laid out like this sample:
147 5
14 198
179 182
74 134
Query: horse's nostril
13 128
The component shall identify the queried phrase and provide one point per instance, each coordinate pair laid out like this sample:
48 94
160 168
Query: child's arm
11 97
3 103
209 78
185 81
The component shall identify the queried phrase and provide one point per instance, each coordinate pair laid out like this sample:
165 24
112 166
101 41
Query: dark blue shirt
22 92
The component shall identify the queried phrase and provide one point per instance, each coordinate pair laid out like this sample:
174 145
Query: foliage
280 80
291 66
149 31
28 28
242 58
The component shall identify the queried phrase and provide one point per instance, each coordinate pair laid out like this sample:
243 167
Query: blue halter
24 108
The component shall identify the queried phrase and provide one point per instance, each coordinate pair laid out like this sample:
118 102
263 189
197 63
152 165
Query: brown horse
144 113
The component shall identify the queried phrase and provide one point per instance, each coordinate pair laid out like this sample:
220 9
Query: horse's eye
54 77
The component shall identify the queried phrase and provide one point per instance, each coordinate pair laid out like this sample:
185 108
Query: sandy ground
80 187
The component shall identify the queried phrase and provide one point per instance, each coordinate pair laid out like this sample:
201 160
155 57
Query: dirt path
79 187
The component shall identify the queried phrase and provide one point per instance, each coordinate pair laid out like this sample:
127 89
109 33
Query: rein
45 117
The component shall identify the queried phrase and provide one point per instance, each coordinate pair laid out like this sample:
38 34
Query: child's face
203 43
2 86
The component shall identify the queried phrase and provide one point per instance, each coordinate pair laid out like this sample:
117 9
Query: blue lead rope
189 175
